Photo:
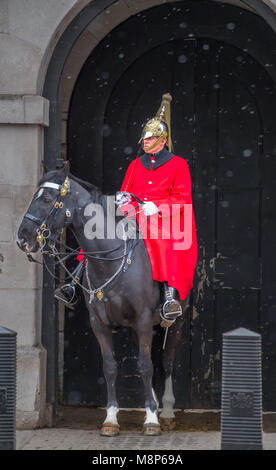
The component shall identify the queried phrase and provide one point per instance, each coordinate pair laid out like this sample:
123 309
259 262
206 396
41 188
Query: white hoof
111 416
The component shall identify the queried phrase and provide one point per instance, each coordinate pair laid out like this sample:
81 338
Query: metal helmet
154 127
159 126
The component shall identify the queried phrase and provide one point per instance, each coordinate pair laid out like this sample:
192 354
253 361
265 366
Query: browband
51 185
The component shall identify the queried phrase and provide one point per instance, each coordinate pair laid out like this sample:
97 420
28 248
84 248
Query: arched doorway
220 77
222 123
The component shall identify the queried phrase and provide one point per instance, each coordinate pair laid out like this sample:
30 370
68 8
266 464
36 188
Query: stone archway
54 138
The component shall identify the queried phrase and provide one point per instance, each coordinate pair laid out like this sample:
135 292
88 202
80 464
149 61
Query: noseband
43 232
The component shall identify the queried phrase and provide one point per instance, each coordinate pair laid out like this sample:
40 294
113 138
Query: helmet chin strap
161 137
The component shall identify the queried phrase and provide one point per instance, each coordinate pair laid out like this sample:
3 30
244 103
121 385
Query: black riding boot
171 307
67 292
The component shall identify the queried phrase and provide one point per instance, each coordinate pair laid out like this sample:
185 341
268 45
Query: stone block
20 311
21 153
36 110
16 272
4 20
19 66
22 195
11 109
6 212
31 387
27 109
6 190
36 21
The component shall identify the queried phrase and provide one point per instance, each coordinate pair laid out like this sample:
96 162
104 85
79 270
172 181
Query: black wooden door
228 194
222 123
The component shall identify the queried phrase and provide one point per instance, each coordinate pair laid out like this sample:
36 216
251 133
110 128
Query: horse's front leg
145 367
103 334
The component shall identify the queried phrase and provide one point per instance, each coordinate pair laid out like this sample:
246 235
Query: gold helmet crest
160 125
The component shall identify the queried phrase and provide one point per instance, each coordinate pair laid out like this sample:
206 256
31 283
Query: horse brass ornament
40 238
65 187
100 295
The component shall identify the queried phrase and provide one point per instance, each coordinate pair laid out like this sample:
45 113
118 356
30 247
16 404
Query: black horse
130 298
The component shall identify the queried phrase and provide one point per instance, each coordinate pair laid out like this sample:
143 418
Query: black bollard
241 397
7 388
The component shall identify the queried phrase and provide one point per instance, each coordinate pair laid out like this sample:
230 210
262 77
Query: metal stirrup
175 313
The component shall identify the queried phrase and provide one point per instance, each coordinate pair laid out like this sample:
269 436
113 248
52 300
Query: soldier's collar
160 158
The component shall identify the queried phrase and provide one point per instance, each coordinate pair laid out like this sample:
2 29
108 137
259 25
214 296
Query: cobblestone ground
74 439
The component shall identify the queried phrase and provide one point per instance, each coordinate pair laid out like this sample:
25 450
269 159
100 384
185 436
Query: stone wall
28 33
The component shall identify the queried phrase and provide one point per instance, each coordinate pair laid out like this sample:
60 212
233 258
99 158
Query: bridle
43 231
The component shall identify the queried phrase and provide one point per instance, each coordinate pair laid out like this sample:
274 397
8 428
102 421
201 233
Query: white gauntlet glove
122 197
149 208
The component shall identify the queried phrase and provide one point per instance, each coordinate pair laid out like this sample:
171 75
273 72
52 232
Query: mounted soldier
161 181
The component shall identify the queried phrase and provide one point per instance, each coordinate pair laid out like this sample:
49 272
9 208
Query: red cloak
170 237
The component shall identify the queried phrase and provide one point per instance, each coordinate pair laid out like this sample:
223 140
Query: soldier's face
149 142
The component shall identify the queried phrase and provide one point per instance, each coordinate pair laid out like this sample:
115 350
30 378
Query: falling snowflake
247 153
182 59
231 26
128 150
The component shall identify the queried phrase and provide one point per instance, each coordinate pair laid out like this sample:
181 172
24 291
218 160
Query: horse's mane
85 184
58 176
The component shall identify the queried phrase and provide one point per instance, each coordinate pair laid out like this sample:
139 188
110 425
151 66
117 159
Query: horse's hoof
110 429
151 429
167 424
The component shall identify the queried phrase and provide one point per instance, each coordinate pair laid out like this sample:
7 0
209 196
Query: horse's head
50 210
